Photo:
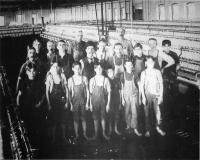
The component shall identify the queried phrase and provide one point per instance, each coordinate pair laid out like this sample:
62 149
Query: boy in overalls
115 101
100 99
79 97
130 97
152 94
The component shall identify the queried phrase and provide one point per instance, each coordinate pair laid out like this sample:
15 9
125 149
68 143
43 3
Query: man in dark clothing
78 47
170 80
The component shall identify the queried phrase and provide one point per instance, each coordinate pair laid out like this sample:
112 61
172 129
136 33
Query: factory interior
24 22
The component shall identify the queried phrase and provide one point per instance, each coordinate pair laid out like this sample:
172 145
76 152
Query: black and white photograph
99 79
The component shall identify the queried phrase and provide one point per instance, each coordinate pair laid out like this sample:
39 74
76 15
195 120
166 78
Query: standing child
115 101
152 94
130 97
100 99
79 97
57 94
30 97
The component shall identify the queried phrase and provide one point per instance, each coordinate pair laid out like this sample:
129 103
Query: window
193 11
137 11
115 14
161 10
176 14
2 22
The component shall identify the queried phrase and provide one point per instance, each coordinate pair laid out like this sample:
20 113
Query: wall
153 10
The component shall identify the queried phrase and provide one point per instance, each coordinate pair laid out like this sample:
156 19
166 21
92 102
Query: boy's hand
66 105
160 99
91 108
49 107
71 107
87 106
107 107
38 105
144 101
123 101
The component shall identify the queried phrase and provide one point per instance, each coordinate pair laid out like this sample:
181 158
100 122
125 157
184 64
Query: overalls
119 68
99 100
57 101
152 108
139 65
78 100
114 99
131 102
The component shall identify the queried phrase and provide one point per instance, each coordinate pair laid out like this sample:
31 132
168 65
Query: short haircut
149 57
128 60
61 41
76 63
50 41
153 39
30 66
31 48
110 68
103 40
117 44
137 45
166 41
36 40
90 43
97 64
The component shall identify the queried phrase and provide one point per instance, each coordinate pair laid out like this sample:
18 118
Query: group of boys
103 82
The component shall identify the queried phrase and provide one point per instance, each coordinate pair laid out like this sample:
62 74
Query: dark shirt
88 69
32 91
66 63
78 49
115 88
170 72
139 64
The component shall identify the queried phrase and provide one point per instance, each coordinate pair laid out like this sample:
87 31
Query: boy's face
110 73
152 43
129 67
102 45
50 46
31 73
31 54
37 45
90 52
150 63
166 48
77 69
79 36
121 32
98 70
137 51
61 47
55 69
118 50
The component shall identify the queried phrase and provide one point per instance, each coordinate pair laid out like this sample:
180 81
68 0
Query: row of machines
20 147
185 41
17 31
